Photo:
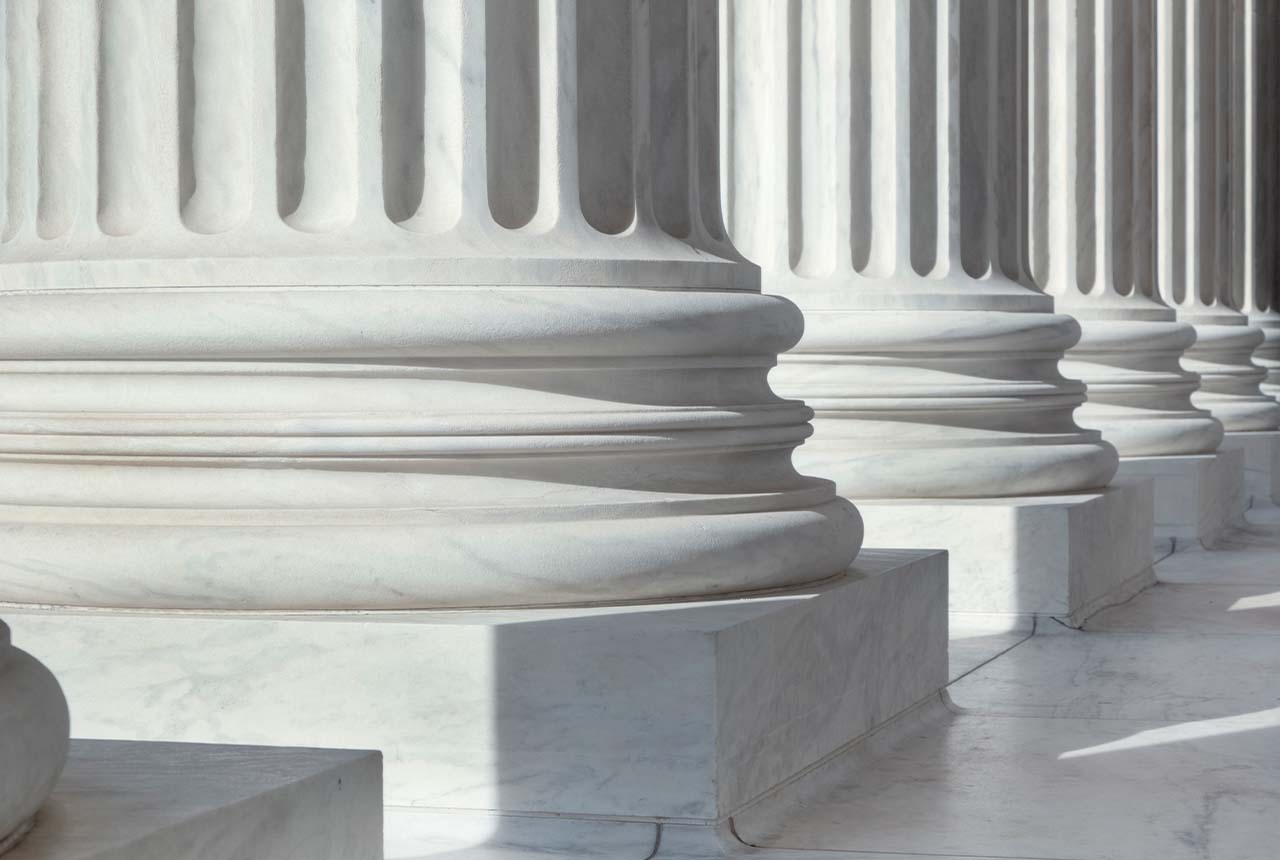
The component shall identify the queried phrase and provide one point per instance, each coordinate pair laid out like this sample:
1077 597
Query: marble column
872 159
1258 174
1205 214
318 307
328 305
34 732
1199 208
1092 237
876 167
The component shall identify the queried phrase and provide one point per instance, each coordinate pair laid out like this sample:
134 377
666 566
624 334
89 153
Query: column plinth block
165 801
1261 453
684 710
1196 495
1063 556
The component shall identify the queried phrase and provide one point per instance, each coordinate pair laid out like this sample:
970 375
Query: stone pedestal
1195 496
1064 556
1261 456
677 710
1205 149
119 800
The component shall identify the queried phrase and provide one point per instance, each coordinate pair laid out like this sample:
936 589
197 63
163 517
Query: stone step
128 800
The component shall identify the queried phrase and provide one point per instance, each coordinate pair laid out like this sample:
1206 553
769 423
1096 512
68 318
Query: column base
676 711
1063 556
162 801
1261 450
1196 495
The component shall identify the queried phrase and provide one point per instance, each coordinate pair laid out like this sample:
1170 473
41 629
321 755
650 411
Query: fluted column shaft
321 304
1257 174
34 738
1201 210
873 164
1092 237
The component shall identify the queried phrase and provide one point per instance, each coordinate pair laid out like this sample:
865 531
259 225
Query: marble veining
684 710
1149 735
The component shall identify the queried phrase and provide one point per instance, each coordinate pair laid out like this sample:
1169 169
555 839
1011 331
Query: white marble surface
676 710
1231 563
1141 737
1195 496
1179 608
1194 110
419 834
1129 677
932 369
301 331
1222 355
1062 556
120 800
977 639
1138 393
1261 451
485 838
1094 251
1108 789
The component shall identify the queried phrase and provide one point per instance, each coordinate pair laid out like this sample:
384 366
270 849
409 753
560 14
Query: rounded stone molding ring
34 739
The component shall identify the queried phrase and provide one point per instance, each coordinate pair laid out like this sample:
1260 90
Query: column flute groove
1258 177
1194 91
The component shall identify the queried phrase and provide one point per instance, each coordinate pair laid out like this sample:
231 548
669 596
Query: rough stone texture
1196 496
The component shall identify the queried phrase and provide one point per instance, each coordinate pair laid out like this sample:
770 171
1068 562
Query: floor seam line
935 855
1032 632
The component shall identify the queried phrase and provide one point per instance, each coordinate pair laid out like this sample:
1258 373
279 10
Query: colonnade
328 307
1063 154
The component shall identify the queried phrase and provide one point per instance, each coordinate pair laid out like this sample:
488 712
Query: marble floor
1153 733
